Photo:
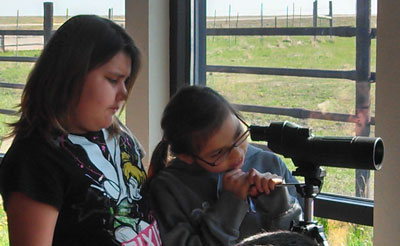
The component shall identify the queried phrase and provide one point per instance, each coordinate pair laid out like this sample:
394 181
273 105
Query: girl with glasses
207 185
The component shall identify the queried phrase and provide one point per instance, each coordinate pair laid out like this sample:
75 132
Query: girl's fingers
265 185
253 191
232 172
259 183
253 183
266 182
236 178
278 180
273 182
251 175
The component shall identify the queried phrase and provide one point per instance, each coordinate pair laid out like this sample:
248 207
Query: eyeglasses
225 152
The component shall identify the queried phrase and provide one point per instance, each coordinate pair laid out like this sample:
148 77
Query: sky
35 7
281 7
218 7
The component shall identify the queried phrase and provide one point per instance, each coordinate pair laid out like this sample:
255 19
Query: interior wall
148 24
387 180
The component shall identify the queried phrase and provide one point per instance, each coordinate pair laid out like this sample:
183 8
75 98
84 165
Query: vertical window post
48 21
199 73
179 44
363 85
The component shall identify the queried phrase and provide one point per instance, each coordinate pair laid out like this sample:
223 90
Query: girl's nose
122 93
236 153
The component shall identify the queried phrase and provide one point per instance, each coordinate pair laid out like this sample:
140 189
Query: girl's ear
186 158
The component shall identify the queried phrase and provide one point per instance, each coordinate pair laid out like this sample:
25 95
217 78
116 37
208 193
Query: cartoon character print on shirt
123 223
118 175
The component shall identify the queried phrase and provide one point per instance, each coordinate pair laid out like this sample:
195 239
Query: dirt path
24 42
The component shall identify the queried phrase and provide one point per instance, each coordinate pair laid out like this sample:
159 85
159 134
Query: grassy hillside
326 95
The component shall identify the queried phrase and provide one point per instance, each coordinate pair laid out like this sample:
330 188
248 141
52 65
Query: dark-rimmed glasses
225 152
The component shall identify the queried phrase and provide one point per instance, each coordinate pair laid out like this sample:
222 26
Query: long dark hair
193 114
53 88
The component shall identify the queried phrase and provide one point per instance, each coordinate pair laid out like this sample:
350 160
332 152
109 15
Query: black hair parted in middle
190 118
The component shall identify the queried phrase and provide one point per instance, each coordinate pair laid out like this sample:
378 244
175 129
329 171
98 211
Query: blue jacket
266 161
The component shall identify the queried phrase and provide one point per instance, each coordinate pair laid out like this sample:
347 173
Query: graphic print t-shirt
94 180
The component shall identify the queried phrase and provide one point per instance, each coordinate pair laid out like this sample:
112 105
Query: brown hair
54 86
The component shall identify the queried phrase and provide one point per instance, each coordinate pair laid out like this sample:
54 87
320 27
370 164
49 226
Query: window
301 63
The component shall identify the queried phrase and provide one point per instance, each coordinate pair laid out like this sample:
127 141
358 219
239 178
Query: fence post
16 37
229 24
262 21
363 86
315 16
2 44
293 16
331 19
47 21
110 14
287 16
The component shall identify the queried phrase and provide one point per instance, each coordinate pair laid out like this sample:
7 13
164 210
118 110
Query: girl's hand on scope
262 182
236 181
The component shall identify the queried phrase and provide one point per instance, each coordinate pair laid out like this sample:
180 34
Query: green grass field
326 95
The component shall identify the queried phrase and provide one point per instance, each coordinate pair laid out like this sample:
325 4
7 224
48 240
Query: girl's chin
108 123
237 165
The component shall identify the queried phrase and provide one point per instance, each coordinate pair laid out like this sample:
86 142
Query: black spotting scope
296 142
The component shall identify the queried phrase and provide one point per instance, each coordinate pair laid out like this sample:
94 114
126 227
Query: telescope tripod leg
312 230
309 227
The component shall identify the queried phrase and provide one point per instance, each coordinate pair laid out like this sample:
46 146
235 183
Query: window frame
332 206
